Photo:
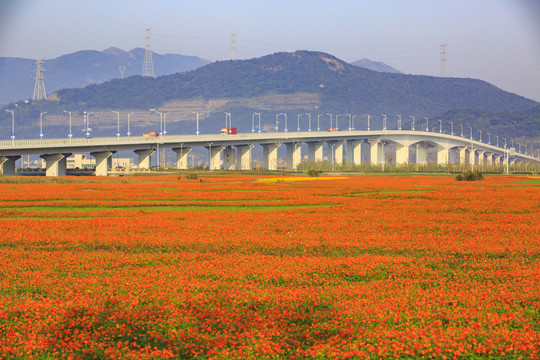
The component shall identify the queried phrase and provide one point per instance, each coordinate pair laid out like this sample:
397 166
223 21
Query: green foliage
314 173
469 175
192 176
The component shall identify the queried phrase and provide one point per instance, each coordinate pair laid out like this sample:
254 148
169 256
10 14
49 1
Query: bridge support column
462 155
357 152
315 151
270 156
182 157
243 153
294 155
102 162
55 164
443 155
145 160
214 157
472 157
229 158
337 148
498 159
489 159
377 150
481 155
7 163
402 154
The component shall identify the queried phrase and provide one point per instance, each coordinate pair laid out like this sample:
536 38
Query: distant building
80 161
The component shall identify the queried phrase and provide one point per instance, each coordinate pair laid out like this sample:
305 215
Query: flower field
251 267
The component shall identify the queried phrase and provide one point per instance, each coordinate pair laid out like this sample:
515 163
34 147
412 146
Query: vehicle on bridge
228 131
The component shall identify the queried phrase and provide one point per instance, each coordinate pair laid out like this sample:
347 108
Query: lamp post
497 137
253 122
277 122
471 132
489 138
164 124
319 122
285 115
128 129
118 121
350 123
368 118
353 121
309 121
412 125
298 119
461 126
197 129
384 122
41 124
12 124
70 134
337 122
87 121
440 126
228 122
480 139
451 128
427 124
399 121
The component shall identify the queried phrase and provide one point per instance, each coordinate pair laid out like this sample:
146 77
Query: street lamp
384 121
412 125
451 128
427 124
118 116
461 126
12 124
87 122
128 130
471 132
368 117
253 122
480 135
319 122
399 121
41 124
353 121
164 124
497 136
309 121
285 115
228 122
298 119
350 125
489 138
70 134
197 130
440 126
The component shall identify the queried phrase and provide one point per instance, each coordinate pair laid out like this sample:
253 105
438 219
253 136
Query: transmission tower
233 46
39 87
148 66
122 68
443 60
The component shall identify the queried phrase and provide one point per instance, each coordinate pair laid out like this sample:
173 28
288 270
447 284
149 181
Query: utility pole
233 46
39 87
443 60
148 65
122 69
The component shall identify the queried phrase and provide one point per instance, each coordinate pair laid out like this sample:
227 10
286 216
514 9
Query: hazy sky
493 40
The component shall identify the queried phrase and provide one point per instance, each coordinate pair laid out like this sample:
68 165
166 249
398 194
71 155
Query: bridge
235 151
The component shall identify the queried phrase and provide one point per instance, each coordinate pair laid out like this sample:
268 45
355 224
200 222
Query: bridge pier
354 152
214 157
402 153
315 151
443 155
7 164
270 156
243 153
489 159
377 151
229 158
55 164
103 158
481 155
472 157
145 158
294 155
181 157
337 148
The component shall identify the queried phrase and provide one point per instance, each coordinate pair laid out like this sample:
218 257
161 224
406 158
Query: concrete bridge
235 151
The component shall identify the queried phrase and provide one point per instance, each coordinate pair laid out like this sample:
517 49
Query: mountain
82 68
296 83
340 86
375 66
